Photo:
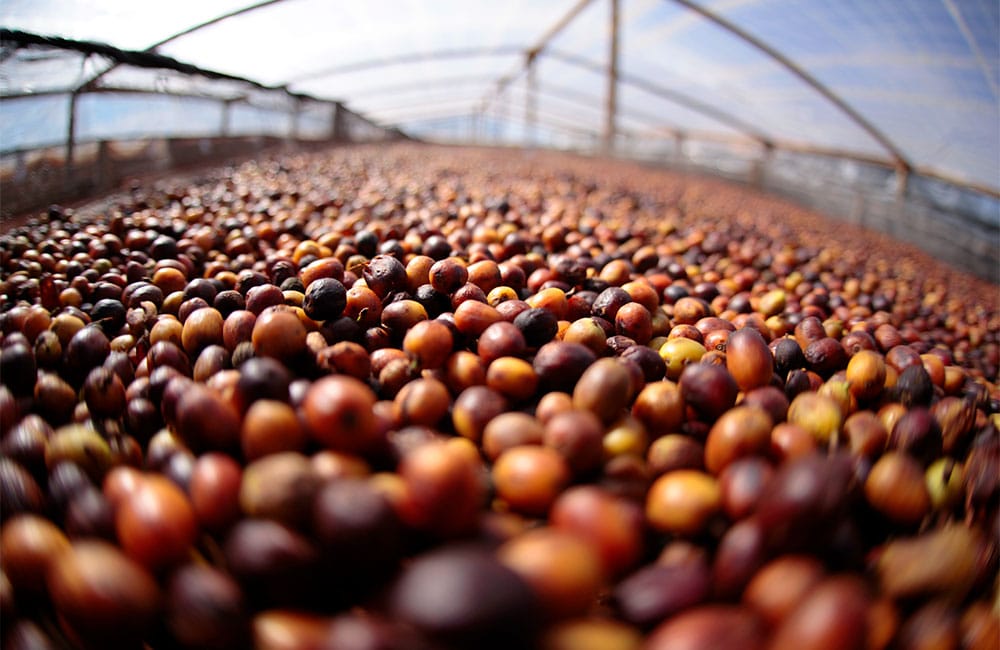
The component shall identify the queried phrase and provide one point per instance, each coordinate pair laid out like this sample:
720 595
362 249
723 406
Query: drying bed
429 397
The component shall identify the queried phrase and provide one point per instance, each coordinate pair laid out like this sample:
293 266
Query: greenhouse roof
914 85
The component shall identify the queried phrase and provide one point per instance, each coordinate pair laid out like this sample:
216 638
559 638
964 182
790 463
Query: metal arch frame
409 86
212 21
145 58
613 74
554 122
573 96
151 51
155 46
896 159
435 100
532 53
673 96
901 161
401 59
963 27
448 106
545 119
553 91
614 77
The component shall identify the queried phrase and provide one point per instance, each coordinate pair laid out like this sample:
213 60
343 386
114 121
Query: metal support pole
295 120
501 118
611 107
226 118
69 164
902 181
758 171
339 123
531 103
542 43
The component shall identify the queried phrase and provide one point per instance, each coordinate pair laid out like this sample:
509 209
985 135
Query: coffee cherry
29 545
611 524
832 615
740 431
708 389
104 596
604 389
529 478
748 359
444 488
338 413
564 571
325 299
683 501
155 523
709 626
441 594
896 487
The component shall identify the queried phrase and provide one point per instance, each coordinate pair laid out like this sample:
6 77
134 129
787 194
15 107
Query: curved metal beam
422 84
565 93
970 39
378 113
671 95
545 120
552 32
556 92
410 57
835 99
207 23
89 83
532 52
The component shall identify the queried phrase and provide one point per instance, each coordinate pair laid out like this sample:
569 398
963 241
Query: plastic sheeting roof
916 83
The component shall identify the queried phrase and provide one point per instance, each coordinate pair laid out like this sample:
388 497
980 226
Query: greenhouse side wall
957 225
954 224
33 179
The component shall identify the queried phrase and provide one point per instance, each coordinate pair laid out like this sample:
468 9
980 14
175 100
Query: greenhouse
626 324
848 105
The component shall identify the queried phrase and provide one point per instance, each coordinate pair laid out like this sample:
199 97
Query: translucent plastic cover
907 83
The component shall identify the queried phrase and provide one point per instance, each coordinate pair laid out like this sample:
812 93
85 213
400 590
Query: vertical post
758 170
484 124
339 123
69 163
611 107
679 149
226 118
295 120
103 162
501 119
902 180
531 102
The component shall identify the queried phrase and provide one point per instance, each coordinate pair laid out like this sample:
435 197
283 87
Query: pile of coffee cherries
410 397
